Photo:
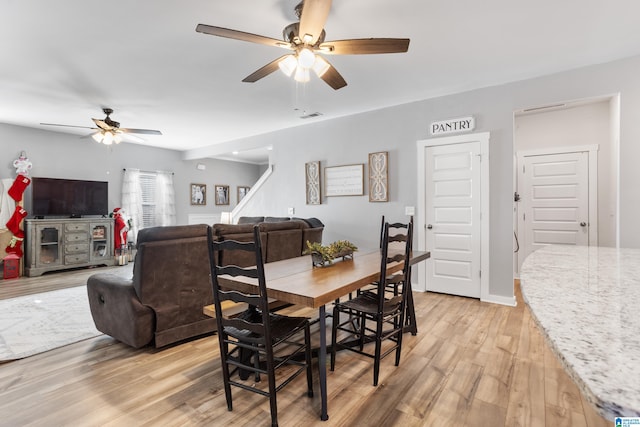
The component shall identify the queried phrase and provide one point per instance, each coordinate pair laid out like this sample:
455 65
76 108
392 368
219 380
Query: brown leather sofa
163 300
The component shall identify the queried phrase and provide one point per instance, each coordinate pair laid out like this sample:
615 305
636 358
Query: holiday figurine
22 181
22 164
121 227
15 245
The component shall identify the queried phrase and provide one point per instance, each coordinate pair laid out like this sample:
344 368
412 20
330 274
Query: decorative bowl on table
322 256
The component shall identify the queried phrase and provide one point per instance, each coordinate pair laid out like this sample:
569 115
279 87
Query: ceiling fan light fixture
306 58
108 138
97 137
117 138
320 66
288 65
302 75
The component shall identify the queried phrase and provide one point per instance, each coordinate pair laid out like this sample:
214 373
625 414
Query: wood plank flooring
471 364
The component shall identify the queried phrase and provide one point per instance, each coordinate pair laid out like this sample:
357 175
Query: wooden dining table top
296 281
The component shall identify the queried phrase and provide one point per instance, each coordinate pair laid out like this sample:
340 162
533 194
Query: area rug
36 323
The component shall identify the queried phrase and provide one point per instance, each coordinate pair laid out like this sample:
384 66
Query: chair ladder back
404 256
254 300
384 261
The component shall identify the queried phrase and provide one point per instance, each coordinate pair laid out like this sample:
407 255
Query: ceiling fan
109 131
306 39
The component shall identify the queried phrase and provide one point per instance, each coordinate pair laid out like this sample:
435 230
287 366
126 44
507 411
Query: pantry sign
461 124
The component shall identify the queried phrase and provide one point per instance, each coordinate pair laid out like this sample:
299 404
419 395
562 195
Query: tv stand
59 244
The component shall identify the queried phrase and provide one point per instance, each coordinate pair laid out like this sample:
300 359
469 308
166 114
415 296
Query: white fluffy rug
35 323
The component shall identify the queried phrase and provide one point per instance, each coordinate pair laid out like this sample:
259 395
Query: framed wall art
242 191
312 183
222 194
379 177
345 180
198 194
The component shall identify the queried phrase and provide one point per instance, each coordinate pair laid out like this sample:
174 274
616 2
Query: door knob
583 224
429 226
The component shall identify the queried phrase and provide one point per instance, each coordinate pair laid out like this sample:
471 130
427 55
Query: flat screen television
54 197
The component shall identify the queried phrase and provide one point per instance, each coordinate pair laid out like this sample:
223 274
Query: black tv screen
69 197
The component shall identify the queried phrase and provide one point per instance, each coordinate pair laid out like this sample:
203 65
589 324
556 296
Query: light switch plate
291 211
409 210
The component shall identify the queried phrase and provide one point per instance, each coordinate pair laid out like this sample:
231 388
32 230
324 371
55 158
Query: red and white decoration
16 191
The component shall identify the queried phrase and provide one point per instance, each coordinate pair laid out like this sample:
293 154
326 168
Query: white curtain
132 200
165 199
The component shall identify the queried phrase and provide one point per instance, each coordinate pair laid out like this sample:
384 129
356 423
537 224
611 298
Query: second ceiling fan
306 39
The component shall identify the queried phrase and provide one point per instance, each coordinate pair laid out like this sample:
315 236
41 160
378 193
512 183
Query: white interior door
452 197
555 201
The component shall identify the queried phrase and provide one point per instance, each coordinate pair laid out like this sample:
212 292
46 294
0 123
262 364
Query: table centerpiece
322 256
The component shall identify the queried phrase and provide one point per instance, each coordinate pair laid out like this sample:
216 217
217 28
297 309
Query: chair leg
256 364
363 331
376 359
272 390
307 351
334 332
400 334
225 371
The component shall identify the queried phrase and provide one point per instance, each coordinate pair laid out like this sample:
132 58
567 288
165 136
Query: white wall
59 155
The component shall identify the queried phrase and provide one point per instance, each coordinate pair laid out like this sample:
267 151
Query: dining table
297 281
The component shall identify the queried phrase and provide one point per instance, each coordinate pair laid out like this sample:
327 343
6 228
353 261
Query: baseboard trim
502 300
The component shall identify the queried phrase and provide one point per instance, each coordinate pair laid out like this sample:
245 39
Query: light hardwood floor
471 364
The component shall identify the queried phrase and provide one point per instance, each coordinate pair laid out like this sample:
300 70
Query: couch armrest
117 311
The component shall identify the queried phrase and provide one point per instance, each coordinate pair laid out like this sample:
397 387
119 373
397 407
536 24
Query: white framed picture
345 180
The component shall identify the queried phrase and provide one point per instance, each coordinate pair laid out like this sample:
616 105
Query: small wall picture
199 194
379 177
242 191
312 182
222 194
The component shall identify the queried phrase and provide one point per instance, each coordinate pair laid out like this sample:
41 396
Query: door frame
592 151
483 139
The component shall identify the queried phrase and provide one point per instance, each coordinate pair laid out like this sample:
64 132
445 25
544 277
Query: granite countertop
586 300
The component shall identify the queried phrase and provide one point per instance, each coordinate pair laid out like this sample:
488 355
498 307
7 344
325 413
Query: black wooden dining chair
254 342
377 315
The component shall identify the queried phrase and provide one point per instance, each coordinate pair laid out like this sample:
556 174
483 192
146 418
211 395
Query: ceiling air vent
311 115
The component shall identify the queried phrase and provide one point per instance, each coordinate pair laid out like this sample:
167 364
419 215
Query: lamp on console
225 218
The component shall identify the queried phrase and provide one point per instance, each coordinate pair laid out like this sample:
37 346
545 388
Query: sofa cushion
283 225
276 218
284 244
250 219
153 234
242 258
224 229
313 222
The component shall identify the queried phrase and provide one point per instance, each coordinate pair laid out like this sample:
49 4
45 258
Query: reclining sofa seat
163 300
